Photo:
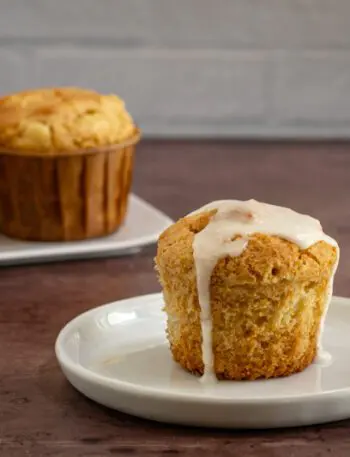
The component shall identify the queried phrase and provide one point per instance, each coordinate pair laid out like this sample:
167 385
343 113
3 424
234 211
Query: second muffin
66 161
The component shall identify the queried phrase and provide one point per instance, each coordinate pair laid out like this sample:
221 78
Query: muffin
66 161
246 287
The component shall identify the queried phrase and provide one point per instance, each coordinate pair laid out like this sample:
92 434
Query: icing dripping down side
216 240
205 263
323 357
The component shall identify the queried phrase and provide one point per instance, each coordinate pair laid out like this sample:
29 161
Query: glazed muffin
66 161
246 287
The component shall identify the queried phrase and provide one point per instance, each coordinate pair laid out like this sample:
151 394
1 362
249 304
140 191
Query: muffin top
268 249
62 120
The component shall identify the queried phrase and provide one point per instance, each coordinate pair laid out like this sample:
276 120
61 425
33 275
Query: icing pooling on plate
214 242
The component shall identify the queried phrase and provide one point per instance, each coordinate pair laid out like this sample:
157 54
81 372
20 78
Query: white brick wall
313 85
11 67
191 67
176 87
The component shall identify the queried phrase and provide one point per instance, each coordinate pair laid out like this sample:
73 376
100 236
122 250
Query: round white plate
117 355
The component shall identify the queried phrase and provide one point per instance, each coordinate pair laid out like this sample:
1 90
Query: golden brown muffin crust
266 260
62 120
266 304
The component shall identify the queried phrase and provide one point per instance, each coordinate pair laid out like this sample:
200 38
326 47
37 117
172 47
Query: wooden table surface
42 415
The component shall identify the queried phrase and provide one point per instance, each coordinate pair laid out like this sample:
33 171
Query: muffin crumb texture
266 304
62 120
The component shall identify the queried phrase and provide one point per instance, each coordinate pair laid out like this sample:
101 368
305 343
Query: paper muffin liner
65 196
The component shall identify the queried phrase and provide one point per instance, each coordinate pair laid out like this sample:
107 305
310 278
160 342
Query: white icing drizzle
244 219
323 357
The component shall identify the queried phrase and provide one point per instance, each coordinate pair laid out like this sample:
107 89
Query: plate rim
153 393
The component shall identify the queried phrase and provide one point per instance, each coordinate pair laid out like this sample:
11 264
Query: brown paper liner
65 197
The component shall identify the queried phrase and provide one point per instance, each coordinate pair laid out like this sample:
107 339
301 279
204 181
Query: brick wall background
191 67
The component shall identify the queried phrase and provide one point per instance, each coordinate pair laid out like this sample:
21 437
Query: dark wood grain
42 415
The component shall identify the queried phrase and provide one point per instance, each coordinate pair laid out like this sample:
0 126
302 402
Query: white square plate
142 226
